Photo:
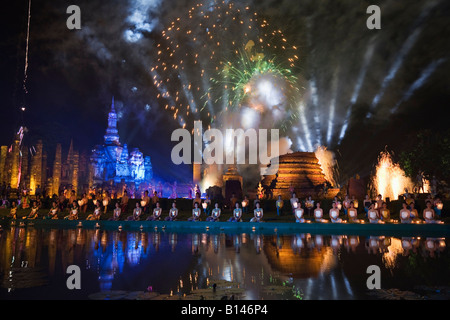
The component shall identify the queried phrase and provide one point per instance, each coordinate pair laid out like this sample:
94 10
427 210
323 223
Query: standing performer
124 202
245 204
145 203
309 204
279 205
13 211
294 201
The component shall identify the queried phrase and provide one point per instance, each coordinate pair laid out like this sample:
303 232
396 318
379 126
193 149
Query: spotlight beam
426 73
406 48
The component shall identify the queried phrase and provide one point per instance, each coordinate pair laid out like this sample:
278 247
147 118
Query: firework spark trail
419 82
25 73
406 48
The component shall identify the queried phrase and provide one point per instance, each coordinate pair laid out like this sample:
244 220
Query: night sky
73 74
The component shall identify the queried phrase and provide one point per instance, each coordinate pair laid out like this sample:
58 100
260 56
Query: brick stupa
298 171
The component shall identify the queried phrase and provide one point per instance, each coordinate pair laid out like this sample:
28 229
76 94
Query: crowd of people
374 211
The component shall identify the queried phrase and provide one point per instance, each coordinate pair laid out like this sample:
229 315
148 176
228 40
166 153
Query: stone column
3 169
44 170
24 178
91 175
36 169
56 178
8 165
75 172
15 164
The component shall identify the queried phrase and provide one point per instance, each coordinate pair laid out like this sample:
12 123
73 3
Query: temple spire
112 135
70 153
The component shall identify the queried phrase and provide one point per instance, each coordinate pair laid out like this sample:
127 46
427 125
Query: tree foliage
430 153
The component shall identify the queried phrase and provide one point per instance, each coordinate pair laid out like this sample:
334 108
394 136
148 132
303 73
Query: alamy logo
374 280
374 20
74 280
221 148
74 20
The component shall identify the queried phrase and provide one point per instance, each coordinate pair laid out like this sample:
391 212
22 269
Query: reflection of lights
395 249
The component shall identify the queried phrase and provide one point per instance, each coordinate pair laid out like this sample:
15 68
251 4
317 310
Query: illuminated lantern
244 204
143 203
339 206
355 204
299 213
105 203
405 215
80 202
204 205
95 202
295 204
440 205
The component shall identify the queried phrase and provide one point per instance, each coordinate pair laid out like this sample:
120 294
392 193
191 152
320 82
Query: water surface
33 264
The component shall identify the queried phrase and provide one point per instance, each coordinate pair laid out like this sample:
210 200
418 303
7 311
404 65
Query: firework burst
220 56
